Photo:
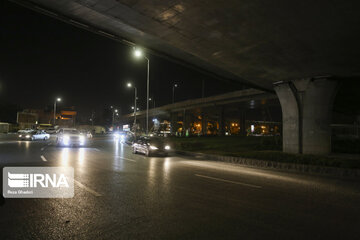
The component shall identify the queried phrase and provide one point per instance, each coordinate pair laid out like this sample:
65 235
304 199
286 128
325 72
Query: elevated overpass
290 47
233 107
248 97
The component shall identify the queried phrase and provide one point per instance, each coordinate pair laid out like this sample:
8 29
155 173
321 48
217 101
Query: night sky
42 58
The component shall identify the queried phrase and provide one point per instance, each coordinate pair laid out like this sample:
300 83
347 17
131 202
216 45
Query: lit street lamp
56 100
153 100
129 85
138 53
113 115
173 96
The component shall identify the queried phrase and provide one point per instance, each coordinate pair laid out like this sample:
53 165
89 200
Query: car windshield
71 131
155 141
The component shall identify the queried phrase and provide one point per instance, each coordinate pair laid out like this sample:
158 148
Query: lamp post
113 116
173 96
135 108
56 100
138 53
153 100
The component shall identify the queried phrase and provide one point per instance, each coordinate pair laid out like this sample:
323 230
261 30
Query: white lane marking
87 189
42 149
96 149
127 159
43 158
228 181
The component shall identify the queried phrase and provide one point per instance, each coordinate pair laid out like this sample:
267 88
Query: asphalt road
119 195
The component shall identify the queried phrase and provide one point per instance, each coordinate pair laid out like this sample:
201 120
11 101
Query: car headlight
82 138
20 135
167 147
153 147
27 136
116 135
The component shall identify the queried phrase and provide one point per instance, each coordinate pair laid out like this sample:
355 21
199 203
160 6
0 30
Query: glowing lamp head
129 85
58 99
137 53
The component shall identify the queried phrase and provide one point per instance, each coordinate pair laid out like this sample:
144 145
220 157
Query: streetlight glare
116 110
129 85
58 99
138 53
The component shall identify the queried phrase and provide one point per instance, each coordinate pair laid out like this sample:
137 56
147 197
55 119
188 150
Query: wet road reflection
120 195
64 156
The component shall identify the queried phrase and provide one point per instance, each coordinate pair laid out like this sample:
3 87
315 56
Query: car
26 130
70 137
51 130
34 135
119 136
151 146
88 134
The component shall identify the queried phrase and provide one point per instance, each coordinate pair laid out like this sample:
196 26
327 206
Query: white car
26 130
34 135
70 137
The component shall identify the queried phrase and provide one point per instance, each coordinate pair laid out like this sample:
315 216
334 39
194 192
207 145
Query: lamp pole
173 95
138 53
135 107
147 96
56 100
135 90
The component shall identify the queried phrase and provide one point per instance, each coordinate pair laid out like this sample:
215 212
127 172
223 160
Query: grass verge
261 148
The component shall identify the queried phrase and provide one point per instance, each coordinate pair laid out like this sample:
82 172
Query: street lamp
129 85
153 100
138 53
113 115
56 100
173 96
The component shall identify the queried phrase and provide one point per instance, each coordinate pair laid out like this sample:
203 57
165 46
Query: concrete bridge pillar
306 108
186 122
204 123
221 114
242 117
174 122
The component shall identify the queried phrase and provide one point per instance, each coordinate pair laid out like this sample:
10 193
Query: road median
266 153
285 166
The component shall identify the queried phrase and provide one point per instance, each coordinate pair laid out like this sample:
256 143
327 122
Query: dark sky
42 58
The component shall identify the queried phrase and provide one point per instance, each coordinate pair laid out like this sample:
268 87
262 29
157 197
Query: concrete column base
306 108
221 121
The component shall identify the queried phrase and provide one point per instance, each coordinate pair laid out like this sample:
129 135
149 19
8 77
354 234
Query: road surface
119 195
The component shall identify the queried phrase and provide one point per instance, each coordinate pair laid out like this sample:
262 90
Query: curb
291 167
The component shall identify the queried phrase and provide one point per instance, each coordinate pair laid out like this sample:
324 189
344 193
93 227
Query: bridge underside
258 42
255 42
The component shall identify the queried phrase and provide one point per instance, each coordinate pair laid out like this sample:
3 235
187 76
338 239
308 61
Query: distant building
67 117
27 119
4 127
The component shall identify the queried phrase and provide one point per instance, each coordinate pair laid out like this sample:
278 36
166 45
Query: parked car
70 137
151 146
34 135
26 130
